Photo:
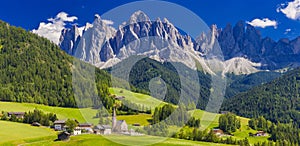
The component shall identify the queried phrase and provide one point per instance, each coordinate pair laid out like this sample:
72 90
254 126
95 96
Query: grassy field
62 113
141 99
117 140
18 132
12 133
142 119
209 121
82 115
244 131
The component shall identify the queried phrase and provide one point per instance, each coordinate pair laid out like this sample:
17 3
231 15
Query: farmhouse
17 114
63 136
36 124
87 127
77 131
261 133
59 125
119 97
102 129
218 132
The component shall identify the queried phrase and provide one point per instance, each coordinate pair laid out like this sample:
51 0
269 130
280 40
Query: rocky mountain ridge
104 46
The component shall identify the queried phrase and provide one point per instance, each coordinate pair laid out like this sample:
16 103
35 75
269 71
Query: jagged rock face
267 45
159 40
248 43
102 45
252 43
69 39
226 39
93 39
206 41
296 45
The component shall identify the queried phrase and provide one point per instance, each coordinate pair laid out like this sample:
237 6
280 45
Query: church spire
114 119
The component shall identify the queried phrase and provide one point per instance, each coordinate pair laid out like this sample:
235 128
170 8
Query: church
118 126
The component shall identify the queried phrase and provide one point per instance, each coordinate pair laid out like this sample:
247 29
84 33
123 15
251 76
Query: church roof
102 127
120 122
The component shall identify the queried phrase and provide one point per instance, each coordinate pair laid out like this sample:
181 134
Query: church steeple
114 119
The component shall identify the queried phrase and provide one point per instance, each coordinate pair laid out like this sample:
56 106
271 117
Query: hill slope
243 83
277 101
22 132
35 70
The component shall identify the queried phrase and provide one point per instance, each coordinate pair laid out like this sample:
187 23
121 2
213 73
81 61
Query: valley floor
112 140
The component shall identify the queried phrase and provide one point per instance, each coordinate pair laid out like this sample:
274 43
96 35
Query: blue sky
29 13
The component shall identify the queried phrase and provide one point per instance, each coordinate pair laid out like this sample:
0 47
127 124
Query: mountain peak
138 16
87 26
97 16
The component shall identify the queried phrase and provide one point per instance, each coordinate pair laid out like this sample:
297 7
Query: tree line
45 119
229 123
196 134
277 101
279 132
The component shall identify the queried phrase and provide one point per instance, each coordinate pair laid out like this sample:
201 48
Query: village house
218 132
77 131
59 125
261 133
63 136
36 124
19 115
119 97
102 129
86 127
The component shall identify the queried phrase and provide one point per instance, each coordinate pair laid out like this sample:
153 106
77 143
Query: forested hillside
146 69
277 101
33 69
243 83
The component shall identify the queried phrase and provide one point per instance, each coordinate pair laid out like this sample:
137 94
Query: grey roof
59 122
106 126
16 113
85 125
102 127
36 124
120 122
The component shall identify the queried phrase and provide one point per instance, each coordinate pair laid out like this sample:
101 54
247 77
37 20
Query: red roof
16 113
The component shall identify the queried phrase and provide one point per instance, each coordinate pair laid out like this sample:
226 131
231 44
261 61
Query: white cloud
287 31
52 29
63 16
290 9
263 23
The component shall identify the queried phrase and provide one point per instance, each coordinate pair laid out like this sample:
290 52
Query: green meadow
82 115
244 131
118 140
142 119
140 99
12 132
208 120
62 113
